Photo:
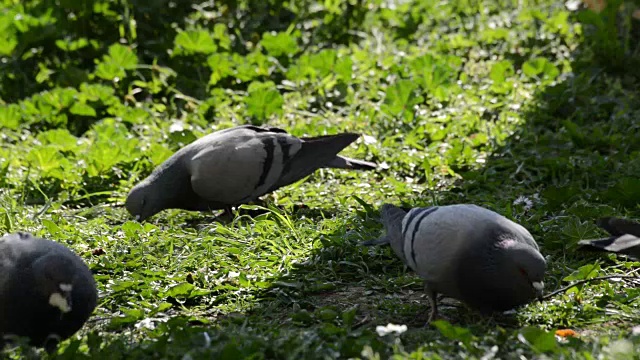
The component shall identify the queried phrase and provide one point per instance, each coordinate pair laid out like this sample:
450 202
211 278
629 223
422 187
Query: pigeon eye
524 273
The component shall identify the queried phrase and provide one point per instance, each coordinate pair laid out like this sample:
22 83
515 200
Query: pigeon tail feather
341 162
314 154
379 241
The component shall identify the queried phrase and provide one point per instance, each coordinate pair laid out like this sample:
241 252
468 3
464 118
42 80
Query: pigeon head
140 203
55 278
502 275
392 216
522 266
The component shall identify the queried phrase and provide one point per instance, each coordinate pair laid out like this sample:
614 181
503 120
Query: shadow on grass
576 158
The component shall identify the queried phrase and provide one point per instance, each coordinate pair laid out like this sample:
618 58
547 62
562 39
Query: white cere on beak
66 287
538 285
60 302
137 217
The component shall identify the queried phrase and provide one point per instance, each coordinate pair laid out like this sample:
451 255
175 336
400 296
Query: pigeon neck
392 219
172 184
172 180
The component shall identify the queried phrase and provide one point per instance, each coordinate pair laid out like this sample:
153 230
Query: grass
509 105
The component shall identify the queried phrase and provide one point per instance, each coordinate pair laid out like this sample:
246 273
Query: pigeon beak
137 217
539 287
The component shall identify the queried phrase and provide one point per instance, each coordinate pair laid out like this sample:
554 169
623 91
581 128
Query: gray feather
45 289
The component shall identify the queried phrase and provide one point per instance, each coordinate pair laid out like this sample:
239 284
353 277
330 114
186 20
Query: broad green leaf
221 66
221 34
500 71
131 229
123 57
60 138
452 332
114 65
80 108
48 161
182 290
7 44
158 153
584 272
97 92
109 71
194 41
72 45
263 100
51 227
10 116
401 98
539 340
278 44
540 67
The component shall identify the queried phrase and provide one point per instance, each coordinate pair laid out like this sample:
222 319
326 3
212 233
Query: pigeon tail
314 154
392 217
379 241
626 244
341 162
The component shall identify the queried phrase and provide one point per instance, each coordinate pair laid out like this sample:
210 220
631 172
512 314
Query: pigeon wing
240 165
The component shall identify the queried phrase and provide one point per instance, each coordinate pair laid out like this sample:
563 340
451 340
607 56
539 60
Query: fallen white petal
390 328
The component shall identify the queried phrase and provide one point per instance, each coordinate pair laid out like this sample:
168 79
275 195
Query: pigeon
624 239
47 292
466 252
236 166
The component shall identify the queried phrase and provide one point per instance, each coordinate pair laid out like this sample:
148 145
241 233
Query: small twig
361 322
96 319
561 290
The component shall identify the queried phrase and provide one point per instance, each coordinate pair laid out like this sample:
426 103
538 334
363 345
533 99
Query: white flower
368 139
176 127
390 328
528 204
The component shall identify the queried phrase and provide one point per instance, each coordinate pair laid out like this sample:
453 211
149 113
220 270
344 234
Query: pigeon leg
431 296
225 216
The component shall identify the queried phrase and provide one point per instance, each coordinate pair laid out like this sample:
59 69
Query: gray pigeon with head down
235 166
46 291
468 253
624 239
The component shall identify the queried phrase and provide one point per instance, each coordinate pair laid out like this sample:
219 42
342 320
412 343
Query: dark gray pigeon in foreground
468 253
624 239
46 291
235 166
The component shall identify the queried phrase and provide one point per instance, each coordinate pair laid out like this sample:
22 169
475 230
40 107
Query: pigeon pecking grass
236 166
466 252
